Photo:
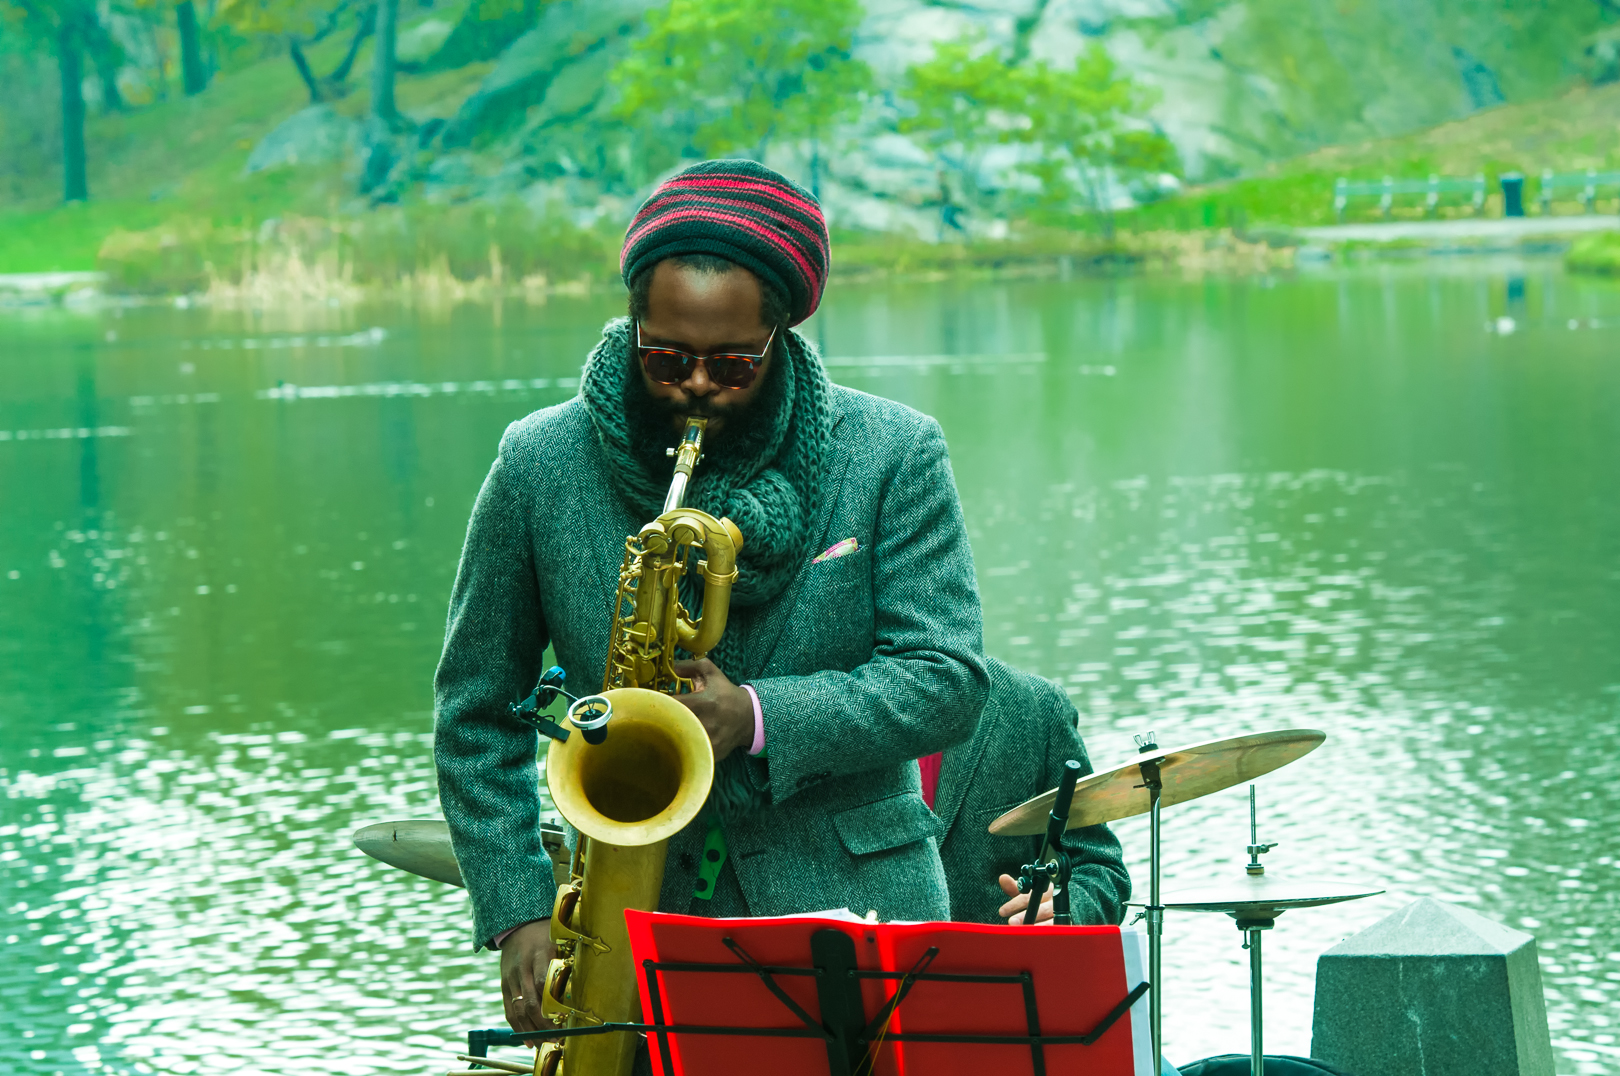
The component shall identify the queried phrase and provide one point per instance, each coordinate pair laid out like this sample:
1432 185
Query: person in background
1027 731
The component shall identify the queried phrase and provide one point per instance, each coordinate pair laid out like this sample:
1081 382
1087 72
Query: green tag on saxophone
714 857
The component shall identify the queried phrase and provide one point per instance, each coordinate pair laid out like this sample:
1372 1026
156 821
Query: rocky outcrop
578 36
1239 83
315 135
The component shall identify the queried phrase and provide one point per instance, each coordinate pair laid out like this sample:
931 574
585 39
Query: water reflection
1206 507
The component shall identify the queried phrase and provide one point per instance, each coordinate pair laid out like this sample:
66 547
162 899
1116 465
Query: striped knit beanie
743 212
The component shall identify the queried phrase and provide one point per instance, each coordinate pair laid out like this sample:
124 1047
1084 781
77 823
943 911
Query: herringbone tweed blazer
863 664
1026 733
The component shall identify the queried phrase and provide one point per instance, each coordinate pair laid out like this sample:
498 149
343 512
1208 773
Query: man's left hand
1013 910
726 710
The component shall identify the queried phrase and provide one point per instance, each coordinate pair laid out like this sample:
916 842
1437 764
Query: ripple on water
1382 609
224 577
203 911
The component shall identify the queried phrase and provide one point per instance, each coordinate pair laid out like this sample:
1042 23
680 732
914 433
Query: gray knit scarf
763 471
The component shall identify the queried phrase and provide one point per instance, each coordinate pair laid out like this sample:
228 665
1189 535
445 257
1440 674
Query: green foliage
275 18
722 75
1595 254
388 248
482 32
1293 77
1088 126
1080 124
958 98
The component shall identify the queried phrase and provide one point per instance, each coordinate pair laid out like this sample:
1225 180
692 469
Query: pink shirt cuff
759 723
500 939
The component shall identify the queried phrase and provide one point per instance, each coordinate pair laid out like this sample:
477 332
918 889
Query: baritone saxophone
638 772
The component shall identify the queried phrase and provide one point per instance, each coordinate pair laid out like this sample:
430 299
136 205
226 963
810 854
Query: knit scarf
763 471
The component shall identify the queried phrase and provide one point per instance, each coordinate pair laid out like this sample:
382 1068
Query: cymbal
1186 772
1254 897
422 846
418 845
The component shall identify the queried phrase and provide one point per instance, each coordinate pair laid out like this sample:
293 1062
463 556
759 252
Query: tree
724 75
66 28
957 98
383 65
1088 124
1083 129
193 72
302 23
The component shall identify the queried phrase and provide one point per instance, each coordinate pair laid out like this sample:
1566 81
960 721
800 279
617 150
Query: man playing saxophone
853 645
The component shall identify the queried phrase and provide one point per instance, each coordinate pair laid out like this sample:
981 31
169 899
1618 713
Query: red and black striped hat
744 212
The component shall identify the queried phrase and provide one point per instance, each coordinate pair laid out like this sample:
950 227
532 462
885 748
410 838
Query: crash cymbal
422 846
1251 897
1186 772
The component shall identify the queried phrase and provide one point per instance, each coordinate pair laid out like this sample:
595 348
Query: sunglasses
728 369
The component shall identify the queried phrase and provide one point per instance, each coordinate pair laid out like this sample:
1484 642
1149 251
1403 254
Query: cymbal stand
1155 910
1251 929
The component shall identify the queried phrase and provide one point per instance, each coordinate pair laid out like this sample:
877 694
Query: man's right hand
525 956
1013 910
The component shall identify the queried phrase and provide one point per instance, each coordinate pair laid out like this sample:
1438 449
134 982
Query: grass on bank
482 249
434 247
1596 254
1571 132
185 158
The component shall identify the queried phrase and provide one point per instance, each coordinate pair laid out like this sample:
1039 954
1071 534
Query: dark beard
746 430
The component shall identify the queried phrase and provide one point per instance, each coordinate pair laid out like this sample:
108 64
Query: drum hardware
1255 902
1156 779
1251 928
490 1066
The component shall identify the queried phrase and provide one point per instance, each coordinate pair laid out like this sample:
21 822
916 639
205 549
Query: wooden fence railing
1387 189
1586 184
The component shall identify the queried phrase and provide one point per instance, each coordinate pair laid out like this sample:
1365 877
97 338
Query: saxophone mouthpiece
686 456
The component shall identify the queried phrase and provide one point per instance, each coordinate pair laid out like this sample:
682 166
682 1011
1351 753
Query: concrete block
1433 990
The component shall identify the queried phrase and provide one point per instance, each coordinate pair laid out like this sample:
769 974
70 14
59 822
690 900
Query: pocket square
839 549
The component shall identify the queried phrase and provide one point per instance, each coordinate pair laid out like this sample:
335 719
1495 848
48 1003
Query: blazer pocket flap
990 814
890 822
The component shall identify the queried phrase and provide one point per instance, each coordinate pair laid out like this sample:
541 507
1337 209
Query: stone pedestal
1433 990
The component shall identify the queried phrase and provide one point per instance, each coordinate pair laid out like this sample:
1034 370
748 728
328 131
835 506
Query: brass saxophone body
639 772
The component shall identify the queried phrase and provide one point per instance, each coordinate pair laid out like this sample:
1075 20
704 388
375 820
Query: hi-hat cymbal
1186 773
1265 897
422 846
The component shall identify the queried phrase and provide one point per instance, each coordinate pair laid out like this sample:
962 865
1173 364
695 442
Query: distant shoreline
289 279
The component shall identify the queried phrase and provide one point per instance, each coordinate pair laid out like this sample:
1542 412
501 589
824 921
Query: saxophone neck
686 456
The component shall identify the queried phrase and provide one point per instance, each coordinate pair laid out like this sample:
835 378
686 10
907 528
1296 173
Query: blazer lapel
603 525
774 617
959 765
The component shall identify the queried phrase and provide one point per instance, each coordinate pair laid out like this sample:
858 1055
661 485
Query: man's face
703 313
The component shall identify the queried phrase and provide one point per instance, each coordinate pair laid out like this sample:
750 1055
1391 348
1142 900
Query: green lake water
1345 500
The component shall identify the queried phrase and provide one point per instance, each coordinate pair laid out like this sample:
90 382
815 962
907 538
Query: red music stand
819 996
